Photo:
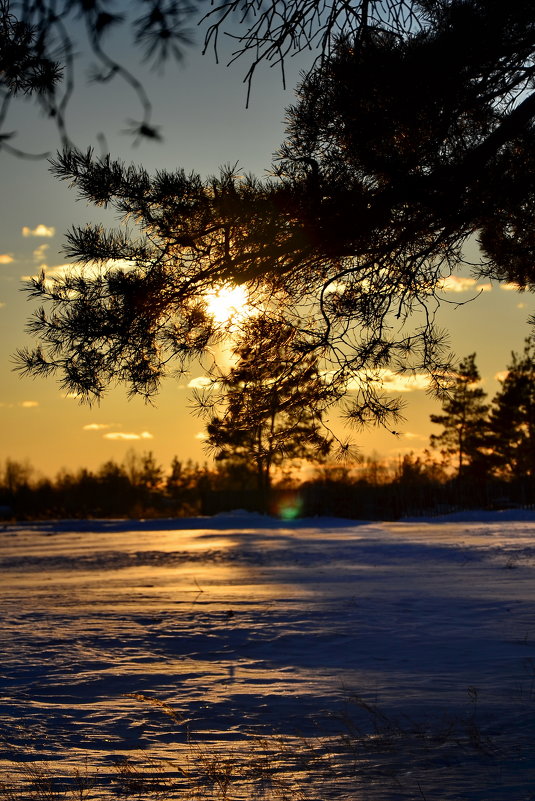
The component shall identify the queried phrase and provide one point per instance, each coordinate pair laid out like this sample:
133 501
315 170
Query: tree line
484 455
496 439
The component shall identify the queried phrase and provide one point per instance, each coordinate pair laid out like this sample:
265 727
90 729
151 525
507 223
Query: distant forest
140 488
483 455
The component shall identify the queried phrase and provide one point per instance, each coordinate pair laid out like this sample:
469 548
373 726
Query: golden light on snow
228 303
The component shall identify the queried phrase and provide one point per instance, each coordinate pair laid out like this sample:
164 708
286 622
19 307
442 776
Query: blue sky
201 108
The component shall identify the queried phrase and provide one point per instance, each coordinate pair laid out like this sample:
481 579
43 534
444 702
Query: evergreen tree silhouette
464 419
269 409
512 417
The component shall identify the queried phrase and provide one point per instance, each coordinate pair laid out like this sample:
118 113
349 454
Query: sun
227 304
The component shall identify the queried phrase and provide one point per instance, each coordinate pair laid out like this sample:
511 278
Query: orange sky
202 110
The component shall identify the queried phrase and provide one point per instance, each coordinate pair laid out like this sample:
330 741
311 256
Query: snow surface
401 656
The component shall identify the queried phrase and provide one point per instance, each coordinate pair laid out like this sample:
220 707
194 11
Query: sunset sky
201 108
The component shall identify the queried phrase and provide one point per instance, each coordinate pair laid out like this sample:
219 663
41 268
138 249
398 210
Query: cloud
29 404
201 382
90 270
2 305
410 435
502 375
405 383
6 258
58 270
40 252
123 436
392 382
96 426
408 450
458 283
40 230
510 287
201 435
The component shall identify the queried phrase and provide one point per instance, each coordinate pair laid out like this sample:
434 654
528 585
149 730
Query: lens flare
288 506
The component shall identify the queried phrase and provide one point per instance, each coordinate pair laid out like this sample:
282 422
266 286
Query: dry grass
370 751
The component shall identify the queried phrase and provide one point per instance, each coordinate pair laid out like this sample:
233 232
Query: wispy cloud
57 270
392 382
201 435
21 405
406 383
96 426
39 230
458 283
510 287
39 253
201 382
6 258
123 436
90 270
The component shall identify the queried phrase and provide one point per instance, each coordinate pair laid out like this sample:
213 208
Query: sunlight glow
228 303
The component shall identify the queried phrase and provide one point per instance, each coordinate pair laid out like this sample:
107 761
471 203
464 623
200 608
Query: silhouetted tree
16 475
269 409
411 136
512 417
411 470
41 40
24 68
464 419
185 476
185 485
151 473
271 32
374 470
178 478
114 489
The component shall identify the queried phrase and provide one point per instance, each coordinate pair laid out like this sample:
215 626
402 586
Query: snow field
234 656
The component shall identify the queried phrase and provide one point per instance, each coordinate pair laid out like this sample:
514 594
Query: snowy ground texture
238 657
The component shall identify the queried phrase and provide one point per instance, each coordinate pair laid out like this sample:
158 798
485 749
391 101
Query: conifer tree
411 137
464 417
269 409
512 417
40 41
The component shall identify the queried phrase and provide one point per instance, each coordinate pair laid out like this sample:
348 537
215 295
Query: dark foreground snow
342 660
